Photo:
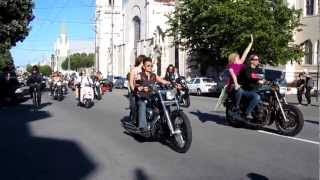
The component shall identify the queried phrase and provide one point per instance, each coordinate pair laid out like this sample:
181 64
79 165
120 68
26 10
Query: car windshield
207 80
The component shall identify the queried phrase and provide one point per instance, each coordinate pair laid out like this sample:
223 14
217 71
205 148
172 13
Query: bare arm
162 81
234 77
246 51
131 79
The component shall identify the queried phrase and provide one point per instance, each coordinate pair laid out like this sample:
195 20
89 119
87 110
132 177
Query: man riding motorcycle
34 80
82 81
250 80
55 77
147 78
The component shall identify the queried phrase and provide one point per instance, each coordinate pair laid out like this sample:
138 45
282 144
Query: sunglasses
149 65
255 59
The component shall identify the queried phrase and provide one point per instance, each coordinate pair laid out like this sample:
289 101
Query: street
67 142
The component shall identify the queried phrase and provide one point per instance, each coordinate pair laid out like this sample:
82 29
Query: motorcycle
86 96
166 121
58 90
183 95
272 108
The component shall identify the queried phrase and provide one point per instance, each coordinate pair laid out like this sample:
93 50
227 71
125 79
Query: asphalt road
66 142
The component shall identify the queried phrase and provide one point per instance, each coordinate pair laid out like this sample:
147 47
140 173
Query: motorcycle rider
147 78
34 80
82 81
250 81
54 79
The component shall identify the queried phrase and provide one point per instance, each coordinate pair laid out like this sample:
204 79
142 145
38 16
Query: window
308 52
310 7
207 80
137 30
197 81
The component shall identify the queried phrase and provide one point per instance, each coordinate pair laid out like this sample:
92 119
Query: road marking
294 138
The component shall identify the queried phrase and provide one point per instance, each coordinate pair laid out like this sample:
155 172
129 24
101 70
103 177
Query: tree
4 59
79 60
45 70
212 29
15 16
29 68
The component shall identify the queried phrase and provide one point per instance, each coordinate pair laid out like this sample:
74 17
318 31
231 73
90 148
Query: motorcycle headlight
283 90
170 95
59 83
18 91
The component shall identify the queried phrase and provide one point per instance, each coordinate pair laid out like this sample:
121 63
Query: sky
77 16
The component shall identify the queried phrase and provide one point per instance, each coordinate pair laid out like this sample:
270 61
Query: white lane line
288 137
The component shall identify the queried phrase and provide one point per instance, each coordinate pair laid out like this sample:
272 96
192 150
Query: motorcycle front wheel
294 123
181 142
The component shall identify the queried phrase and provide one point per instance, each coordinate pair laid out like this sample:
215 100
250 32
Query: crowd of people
304 85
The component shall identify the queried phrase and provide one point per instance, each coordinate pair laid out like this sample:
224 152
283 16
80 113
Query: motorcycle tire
87 103
295 117
231 121
186 132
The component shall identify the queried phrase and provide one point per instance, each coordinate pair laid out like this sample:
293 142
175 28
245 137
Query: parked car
119 83
202 85
106 85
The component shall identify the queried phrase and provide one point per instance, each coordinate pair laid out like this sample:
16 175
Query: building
309 37
64 47
61 50
125 29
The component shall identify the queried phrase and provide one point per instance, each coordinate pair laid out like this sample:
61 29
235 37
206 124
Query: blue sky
76 15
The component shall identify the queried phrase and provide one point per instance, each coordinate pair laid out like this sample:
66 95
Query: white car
202 85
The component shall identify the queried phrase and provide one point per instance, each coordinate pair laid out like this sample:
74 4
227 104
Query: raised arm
246 51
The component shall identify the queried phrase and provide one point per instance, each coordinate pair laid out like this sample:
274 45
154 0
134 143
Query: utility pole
112 26
68 61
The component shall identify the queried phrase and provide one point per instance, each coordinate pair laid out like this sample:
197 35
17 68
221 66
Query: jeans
308 95
254 99
142 113
299 96
237 97
133 107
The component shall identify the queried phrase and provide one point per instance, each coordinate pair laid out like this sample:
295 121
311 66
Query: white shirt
84 81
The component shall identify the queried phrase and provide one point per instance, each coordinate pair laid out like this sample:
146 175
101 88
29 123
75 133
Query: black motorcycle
166 121
272 108
183 95
58 90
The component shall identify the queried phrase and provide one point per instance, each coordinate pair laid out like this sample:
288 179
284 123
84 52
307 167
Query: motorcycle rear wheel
181 142
295 121
185 101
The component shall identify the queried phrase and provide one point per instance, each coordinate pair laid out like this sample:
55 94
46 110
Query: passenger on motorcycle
147 78
34 80
134 76
250 81
234 67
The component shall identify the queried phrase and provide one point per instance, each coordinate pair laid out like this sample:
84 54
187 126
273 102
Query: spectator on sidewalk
300 87
308 85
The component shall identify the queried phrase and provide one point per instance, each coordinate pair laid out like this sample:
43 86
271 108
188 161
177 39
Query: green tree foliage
29 68
15 16
79 60
212 29
5 58
45 70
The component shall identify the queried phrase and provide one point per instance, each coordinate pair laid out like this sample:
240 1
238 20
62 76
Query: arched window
308 52
310 7
137 30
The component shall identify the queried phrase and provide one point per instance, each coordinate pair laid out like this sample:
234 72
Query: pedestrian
300 87
308 85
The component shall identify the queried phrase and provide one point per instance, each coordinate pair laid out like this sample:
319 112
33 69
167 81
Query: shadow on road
24 156
255 176
204 117
221 120
139 174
